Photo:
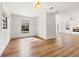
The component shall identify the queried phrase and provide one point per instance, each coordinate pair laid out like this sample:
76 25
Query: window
24 26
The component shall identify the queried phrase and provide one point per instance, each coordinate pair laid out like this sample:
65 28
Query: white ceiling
27 8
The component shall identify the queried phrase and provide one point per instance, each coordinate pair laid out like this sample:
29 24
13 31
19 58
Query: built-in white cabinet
4 31
1 32
1 42
50 26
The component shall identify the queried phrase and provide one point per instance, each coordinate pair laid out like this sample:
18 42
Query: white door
62 27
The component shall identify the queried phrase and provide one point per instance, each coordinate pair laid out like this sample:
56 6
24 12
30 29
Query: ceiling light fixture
37 4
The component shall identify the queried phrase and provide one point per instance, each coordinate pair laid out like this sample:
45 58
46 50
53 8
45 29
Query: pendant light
37 4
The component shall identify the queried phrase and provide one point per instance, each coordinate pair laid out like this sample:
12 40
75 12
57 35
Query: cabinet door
7 28
1 42
1 33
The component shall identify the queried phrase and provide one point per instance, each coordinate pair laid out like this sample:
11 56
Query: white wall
64 17
16 26
46 26
42 26
4 34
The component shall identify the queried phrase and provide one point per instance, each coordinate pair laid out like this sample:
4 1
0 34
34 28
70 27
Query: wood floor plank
64 45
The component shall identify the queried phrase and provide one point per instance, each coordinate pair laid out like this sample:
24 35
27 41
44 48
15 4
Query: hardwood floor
64 45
